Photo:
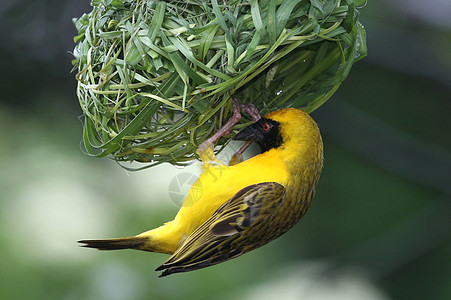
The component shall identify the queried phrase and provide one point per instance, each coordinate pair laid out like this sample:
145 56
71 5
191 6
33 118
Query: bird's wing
225 234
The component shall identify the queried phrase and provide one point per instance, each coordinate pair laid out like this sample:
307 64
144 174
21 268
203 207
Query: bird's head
288 128
265 132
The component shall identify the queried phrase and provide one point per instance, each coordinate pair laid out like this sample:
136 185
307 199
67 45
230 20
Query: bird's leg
205 150
227 128
253 112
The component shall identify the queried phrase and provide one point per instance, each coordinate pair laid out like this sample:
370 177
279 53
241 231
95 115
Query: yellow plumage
233 209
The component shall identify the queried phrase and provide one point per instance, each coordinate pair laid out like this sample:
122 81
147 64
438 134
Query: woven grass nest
156 78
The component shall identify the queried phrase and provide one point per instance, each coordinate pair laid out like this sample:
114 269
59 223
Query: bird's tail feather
115 244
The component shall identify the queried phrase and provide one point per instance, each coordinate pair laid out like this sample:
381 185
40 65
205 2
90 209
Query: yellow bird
244 205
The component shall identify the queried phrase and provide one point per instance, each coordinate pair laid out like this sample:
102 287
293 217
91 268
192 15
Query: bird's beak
250 133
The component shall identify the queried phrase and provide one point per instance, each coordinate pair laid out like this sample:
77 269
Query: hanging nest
155 78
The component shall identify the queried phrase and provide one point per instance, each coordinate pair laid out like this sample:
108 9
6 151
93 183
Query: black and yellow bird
242 206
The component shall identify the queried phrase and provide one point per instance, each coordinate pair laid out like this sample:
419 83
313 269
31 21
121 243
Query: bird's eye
266 127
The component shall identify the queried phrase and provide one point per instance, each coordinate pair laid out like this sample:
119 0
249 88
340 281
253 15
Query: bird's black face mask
265 132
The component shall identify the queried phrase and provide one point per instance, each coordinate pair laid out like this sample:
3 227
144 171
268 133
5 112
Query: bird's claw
251 110
204 148
206 154
236 159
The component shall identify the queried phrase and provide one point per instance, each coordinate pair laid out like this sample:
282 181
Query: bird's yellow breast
216 185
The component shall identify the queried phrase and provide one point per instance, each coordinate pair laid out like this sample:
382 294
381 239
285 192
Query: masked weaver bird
243 205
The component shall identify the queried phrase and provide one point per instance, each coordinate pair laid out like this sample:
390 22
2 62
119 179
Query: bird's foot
237 157
251 110
206 154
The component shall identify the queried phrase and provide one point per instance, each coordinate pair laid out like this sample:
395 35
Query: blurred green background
379 227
